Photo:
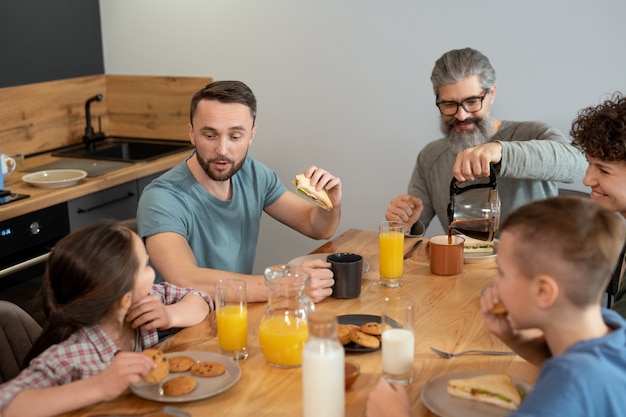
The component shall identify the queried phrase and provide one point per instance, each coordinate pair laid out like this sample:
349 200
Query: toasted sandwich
472 245
496 389
303 185
498 308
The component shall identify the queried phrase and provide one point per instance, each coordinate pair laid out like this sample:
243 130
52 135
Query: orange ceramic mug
445 258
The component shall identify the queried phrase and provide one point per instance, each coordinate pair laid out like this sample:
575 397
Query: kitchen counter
44 197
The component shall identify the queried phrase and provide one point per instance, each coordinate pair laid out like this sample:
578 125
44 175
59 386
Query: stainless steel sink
119 148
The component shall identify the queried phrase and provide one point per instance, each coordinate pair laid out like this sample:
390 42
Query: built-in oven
25 244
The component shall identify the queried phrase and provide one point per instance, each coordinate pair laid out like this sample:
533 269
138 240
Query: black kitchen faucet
90 137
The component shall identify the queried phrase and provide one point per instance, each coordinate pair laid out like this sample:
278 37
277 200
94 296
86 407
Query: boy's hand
149 313
498 324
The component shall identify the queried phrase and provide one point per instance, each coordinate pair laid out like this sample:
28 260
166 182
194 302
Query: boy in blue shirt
554 261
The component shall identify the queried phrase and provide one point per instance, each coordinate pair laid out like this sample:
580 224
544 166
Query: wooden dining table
447 317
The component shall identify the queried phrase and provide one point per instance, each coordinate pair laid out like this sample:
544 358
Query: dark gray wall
44 40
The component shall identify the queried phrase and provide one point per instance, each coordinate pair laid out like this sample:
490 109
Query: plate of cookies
187 376
359 333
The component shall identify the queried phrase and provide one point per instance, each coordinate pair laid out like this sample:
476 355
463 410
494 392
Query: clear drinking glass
232 318
398 339
391 251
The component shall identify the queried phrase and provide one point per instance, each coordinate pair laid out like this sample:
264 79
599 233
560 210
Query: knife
415 246
167 410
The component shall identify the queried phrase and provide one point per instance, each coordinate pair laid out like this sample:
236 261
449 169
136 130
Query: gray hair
457 64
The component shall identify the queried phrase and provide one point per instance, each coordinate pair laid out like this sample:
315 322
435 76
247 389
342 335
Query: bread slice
303 185
496 389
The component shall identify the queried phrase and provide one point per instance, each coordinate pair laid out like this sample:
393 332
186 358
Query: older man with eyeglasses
529 158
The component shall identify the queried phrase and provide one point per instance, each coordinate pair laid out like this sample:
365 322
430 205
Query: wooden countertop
447 317
43 197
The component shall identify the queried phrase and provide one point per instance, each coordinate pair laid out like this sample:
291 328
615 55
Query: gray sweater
535 157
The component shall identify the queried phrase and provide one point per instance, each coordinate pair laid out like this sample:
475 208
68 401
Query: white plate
436 398
478 257
207 387
298 261
55 178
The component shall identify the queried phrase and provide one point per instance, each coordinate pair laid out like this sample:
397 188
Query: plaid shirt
86 353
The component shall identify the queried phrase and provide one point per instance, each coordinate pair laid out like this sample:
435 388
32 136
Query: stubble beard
220 175
464 139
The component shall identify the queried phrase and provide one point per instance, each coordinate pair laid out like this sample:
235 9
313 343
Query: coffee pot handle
455 189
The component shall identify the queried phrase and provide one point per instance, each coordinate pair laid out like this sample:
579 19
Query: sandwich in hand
498 308
496 389
303 185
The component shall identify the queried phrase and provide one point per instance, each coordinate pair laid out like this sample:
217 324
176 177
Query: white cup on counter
8 164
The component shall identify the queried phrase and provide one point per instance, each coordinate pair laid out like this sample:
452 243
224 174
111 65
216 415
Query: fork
449 355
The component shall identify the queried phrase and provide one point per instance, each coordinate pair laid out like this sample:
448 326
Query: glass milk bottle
323 368
284 328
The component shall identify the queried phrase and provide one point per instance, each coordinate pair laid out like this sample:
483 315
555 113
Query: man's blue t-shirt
222 234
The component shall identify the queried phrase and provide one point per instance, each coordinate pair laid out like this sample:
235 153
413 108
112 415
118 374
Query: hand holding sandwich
530 344
321 186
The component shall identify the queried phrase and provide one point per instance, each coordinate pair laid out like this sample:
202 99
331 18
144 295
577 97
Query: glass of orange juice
232 318
391 250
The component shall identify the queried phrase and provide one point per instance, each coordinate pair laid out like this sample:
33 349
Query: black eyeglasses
470 105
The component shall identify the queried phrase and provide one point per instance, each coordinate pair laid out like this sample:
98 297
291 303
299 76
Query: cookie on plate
180 363
207 369
162 370
365 340
344 331
179 385
373 328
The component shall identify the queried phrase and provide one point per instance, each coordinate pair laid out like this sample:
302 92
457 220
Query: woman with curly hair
600 132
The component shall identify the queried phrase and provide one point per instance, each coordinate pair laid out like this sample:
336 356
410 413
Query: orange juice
391 246
232 327
282 339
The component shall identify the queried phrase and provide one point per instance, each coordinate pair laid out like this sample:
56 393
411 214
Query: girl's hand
149 313
127 368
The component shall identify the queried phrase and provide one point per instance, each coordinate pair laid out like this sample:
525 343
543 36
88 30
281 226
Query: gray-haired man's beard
464 139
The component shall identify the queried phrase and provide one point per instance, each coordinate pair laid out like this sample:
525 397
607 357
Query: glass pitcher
474 210
284 329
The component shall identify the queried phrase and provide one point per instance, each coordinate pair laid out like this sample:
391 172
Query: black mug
348 272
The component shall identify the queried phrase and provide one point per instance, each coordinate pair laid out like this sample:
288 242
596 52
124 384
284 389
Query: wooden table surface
447 317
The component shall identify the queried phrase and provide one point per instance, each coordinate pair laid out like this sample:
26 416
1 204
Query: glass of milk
398 339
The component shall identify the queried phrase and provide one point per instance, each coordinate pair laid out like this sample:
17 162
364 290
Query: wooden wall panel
151 107
43 116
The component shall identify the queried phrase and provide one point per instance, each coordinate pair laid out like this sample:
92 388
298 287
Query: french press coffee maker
474 210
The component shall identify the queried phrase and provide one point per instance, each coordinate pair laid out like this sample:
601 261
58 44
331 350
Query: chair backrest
18 331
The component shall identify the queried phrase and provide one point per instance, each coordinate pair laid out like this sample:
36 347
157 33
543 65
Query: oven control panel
32 234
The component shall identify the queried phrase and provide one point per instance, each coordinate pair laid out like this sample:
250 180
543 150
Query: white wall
345 84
